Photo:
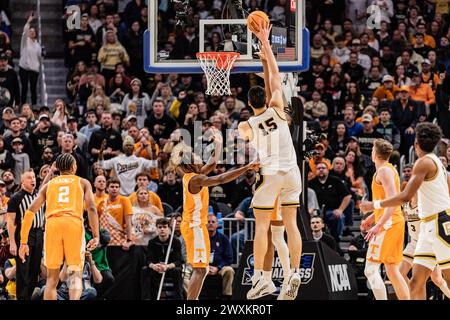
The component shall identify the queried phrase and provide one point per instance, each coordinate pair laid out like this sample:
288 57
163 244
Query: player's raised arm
199 181
276 100
214 160
92 215
262 56
27 222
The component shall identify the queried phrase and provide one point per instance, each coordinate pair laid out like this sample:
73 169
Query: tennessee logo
199 253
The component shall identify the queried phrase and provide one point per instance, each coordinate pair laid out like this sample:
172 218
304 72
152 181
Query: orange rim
223 59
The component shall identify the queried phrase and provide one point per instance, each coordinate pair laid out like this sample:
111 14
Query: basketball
256 19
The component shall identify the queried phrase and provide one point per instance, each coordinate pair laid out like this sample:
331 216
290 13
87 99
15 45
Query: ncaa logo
306 269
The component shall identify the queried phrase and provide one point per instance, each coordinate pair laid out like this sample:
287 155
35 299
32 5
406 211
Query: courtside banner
325 275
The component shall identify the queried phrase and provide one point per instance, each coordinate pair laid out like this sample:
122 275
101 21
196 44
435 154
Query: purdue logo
446 226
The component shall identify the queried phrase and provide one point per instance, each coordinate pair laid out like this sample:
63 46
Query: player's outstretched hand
24 251
264 32
92 244
366 206
372 232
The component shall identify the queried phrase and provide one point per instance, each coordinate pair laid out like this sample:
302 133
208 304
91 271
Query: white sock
282 250
267 275
256 275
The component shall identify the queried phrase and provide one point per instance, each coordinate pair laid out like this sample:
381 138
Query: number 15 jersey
272 140
65 197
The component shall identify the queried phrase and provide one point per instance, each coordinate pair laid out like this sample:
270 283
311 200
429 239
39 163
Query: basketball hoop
217 67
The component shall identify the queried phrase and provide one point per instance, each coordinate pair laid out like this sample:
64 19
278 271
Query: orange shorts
387 245
64 241
198 248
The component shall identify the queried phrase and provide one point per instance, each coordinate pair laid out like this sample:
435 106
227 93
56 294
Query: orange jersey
118 209
98 200
153 198
378 194
65 197
195 206
154 172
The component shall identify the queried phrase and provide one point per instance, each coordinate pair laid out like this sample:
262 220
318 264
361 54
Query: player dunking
64 240
411 211
386 237
268 132
195 214
432 184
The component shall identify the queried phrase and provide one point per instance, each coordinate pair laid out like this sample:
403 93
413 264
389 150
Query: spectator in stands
390 133
405 115
368 135
221 256
318 157
422 92
125 166
332 193
386 92
339 138
118 89
317 228
16 132
137 102
43 134
60 115
106 132
111 53
6 159
68 146
144 218
156 257
30 61
143 180
10 274
9 179
315 107
443 103
9 82
171 190
353 127
91 125
159 123
22 160
82 42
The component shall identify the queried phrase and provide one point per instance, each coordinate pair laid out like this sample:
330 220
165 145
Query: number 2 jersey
65 197
273 142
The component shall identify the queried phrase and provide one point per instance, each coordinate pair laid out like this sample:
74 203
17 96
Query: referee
26 273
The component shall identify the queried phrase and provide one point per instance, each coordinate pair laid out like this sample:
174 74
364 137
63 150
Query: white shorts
408 252
433 246
286 185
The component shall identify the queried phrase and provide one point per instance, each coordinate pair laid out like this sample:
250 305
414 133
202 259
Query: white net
217 67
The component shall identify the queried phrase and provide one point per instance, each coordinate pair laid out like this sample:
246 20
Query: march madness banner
325 275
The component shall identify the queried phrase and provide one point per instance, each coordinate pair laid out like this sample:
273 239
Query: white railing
412 154
44 96
232 226
402 164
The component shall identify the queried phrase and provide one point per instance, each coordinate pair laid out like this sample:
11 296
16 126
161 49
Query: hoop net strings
217 70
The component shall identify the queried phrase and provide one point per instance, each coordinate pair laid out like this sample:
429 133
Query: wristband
377 204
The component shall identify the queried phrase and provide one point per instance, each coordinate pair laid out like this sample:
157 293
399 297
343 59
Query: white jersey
413 220
433 194
273 142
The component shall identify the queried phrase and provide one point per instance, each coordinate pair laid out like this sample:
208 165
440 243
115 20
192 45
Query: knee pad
277 235
74 281
372 273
